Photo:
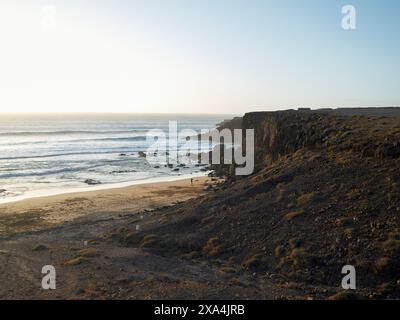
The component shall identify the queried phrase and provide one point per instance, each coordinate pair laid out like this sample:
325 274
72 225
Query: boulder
92 182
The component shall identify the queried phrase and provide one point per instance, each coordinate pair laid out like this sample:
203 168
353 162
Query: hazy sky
196 56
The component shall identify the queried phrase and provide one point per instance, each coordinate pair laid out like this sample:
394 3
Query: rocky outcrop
362 131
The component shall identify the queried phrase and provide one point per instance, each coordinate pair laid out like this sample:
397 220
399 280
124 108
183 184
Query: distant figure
191 181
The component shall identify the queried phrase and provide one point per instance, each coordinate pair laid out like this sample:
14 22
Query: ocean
46 154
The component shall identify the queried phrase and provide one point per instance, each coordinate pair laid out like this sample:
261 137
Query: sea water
55 153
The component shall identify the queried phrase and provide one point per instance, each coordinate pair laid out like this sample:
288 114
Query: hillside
325 194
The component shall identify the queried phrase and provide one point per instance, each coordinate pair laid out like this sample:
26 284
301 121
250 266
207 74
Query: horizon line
108 113
116 113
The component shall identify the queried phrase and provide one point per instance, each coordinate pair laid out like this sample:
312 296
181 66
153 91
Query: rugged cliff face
363 131
326 193
278 134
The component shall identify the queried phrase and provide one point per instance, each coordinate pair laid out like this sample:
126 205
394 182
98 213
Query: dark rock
92 182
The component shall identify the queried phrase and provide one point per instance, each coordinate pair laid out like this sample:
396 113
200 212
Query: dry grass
349 233
391 245
89 253
306 198
149 240
354 193
279 251
299 257
386 288
281 192
252 261
192 255
75 261
227 270
212 247
345 221
293 214
207 220
382 265
40 247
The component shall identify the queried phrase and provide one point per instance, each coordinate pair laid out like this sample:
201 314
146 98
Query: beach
83 236
43 212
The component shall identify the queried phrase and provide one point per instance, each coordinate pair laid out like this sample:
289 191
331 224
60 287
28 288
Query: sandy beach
43 212
86 237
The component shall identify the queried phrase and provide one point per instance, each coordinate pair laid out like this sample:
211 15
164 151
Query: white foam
56 192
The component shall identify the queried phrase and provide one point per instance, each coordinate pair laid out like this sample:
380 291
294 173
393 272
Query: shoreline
104 187
40 213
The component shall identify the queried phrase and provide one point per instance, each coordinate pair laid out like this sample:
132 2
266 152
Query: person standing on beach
191 181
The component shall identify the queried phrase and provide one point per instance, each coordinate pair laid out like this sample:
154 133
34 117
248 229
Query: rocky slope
325 194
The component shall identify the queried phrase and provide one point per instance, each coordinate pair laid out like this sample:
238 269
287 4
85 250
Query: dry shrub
383 265
227 270
75 261
89 253
252 261
299 257
293 214
392 244
279 251
212 248
349 233
306 198
149 240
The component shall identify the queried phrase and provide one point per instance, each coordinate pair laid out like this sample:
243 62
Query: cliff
325 193
281 133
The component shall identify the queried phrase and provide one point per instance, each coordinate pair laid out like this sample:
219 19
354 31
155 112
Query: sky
196 56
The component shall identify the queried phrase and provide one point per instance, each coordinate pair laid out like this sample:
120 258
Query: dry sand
75 234
38 213
80 235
